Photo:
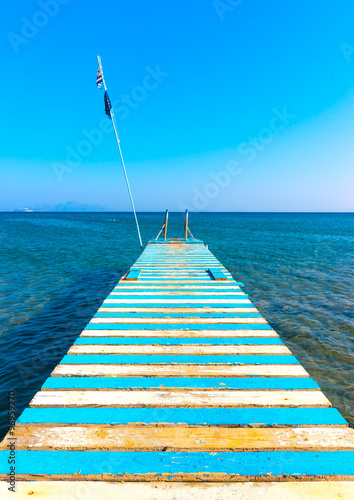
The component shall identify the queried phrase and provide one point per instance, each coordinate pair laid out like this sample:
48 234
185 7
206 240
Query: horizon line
170 211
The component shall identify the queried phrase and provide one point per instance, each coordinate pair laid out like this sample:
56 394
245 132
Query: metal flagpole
120 152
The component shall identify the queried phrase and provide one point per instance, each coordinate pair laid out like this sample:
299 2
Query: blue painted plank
179 340
172 270
165 263
160 262
171 275
215 288
176 315
174 280
176 326
188 416
168 462
193 277
214 294
118 296
159 241
168 276
179 269
217 274
199 293
184 382
214 284
202 287
256 359
185 304
133 274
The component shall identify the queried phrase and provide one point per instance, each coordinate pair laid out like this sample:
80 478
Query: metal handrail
186 226
190 232
164 227
157 237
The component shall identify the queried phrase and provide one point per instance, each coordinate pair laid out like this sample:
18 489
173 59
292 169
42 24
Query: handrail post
186 226
165 228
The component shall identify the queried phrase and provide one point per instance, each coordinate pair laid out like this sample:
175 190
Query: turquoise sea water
57 268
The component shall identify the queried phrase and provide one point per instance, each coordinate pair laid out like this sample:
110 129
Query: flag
107 104
99 78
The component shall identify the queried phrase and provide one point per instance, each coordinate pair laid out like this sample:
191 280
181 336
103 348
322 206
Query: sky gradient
222 105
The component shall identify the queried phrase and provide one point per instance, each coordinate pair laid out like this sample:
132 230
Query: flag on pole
107 104
109 112
99 78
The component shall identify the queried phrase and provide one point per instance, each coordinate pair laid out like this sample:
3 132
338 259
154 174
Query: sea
57 268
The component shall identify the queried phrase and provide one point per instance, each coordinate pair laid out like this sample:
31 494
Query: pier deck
178 387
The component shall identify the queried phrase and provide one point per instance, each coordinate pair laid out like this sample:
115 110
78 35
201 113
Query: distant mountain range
70 206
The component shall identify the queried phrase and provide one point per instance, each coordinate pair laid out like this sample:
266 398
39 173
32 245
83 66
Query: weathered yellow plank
180 438
187 282
86 490
167 310
179 333
138 286
117 291
168 398
176 300
207 286
185 321
92 370
178 349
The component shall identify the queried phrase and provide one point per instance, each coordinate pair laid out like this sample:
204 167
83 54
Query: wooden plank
160 300
218 275
172 281
180 316
199 274
178 326
52 490
165 398
206 280
183 293
186 306
185 321
158 273
289 383
180 438
146 287
133 275
174 310
159 291
178 341
213 287
163 275
178 349
231 417
179 333
144 370
198 359
181 465
167 266
163 261
168 270
192 305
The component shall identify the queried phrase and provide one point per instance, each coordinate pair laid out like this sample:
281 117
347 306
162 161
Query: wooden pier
178 388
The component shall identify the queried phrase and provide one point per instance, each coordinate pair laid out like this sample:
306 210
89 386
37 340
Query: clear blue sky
252 107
